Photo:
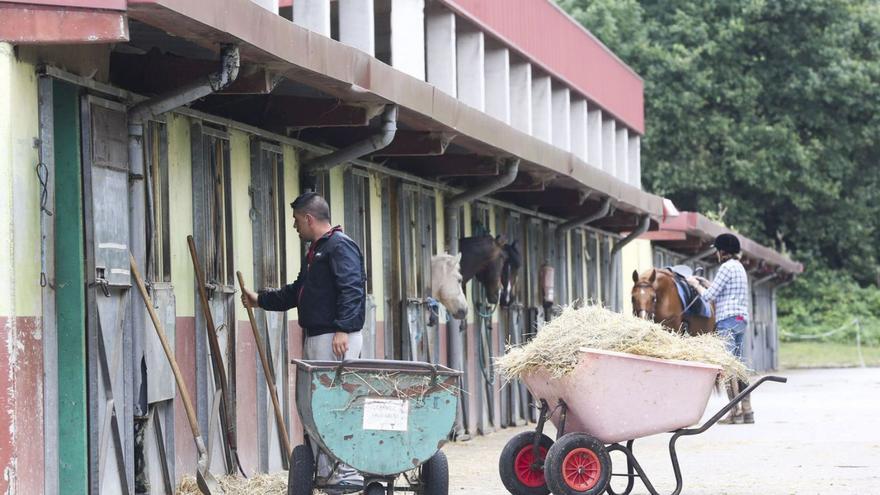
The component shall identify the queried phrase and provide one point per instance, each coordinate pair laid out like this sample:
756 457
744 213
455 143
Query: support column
621 154
440 40
497 60
609 128
470 70
635 161
578 128
542 107
561 115
594 137
521 95
270 5
357 25
408 36
313 15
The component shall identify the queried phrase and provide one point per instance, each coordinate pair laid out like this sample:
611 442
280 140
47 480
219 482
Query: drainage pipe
354 151
561 231
603 212
616 276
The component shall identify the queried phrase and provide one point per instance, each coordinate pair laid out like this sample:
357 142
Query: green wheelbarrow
385 419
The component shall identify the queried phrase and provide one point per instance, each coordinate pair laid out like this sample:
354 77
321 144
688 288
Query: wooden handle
209 318
184 393
279 418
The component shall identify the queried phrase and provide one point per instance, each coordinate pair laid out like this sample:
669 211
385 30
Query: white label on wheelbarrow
386 414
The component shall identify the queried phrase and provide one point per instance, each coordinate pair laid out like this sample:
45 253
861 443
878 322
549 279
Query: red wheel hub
529 470
581 469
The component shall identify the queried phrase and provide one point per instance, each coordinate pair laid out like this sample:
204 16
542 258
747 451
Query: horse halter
649 314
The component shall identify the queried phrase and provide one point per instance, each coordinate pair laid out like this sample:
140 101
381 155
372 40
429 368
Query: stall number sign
386 414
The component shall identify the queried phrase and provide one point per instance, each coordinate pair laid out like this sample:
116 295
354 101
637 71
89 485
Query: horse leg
748 414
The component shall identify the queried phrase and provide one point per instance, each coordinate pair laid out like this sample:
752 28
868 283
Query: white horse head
446 284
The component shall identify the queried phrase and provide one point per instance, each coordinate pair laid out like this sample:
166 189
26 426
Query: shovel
279 418
208 484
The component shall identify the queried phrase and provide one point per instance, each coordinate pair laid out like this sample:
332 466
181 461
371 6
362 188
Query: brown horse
655 298
490 260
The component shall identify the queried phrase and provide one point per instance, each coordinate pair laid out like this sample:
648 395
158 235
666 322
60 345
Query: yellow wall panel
636 255
376 247
180 212
242 227
337 196
291 191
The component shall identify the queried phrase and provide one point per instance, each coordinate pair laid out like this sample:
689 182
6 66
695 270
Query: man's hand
250 298
340 344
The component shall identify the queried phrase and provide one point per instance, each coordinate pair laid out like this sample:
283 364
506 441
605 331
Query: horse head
485 258
446 284
509 273
644 295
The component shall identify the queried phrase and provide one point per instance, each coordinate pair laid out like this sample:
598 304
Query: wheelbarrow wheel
434 475
300 479
521 472
577 464
375 489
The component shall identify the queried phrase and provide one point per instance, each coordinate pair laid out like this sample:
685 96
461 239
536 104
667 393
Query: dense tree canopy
768 111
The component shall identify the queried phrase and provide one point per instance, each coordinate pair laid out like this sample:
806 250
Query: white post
578 127
270 5
542 107
594 137
498 81
407 36
521 95
440 33
470 66
357 24
609 128
313 15
635 161
621 169
561 102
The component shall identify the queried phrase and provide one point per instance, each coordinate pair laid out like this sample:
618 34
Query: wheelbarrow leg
539 430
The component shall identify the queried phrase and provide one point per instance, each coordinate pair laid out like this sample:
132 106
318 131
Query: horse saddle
690 298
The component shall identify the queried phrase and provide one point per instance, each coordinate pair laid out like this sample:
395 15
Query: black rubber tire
553 465
300 478
434 475
507 463
375 489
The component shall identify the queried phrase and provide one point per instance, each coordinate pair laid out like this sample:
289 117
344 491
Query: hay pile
555 347
258 484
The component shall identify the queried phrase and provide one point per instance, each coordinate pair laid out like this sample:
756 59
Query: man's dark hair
313 204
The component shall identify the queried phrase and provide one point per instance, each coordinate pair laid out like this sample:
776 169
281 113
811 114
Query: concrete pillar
313 15
578 127
470 66
498 81
357 24
440 39
542 107
561 128
635 160
609 129
621 154
521 95
408 36
594 137
270 5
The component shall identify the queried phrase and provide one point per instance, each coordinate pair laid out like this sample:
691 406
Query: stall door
212 232
268 217
358 220
105 179
420 343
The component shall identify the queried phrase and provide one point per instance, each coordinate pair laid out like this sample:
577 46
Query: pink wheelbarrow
611 398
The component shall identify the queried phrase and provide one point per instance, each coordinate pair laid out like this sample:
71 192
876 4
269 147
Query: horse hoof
738 420
749 418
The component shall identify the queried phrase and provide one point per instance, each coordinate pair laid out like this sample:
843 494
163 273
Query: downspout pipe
138 115
643 227
363 147
699 256
616 278
455 202
561 232
603 212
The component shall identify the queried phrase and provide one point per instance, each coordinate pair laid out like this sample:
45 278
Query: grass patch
825 355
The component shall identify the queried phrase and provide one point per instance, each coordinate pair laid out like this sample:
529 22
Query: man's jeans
733 330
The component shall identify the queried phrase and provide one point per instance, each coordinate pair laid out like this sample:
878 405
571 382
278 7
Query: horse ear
635 276
653 275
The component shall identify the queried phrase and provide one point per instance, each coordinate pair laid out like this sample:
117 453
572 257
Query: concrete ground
817 434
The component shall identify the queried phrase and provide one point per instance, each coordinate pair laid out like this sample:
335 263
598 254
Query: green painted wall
70 293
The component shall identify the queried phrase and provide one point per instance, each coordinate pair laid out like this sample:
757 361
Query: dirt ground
817 434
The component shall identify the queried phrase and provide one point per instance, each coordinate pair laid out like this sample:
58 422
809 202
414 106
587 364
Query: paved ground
818 434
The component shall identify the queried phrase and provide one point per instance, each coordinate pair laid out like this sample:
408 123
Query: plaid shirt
730 291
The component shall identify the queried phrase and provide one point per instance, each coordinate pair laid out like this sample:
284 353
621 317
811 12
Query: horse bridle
653 312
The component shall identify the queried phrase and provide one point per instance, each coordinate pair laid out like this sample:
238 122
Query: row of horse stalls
183 143
687 239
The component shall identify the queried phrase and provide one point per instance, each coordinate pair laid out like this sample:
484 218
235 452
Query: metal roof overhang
354 77
692 233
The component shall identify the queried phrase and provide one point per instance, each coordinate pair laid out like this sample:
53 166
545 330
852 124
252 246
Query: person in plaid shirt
730 293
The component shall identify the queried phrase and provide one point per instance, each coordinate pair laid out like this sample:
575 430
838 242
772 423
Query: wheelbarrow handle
378 363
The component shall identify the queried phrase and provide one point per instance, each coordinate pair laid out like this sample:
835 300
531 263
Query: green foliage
766 113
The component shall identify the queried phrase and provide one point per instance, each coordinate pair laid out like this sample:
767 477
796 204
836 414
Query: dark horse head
494 262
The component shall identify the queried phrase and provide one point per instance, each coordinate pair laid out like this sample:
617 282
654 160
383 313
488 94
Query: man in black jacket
329 293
